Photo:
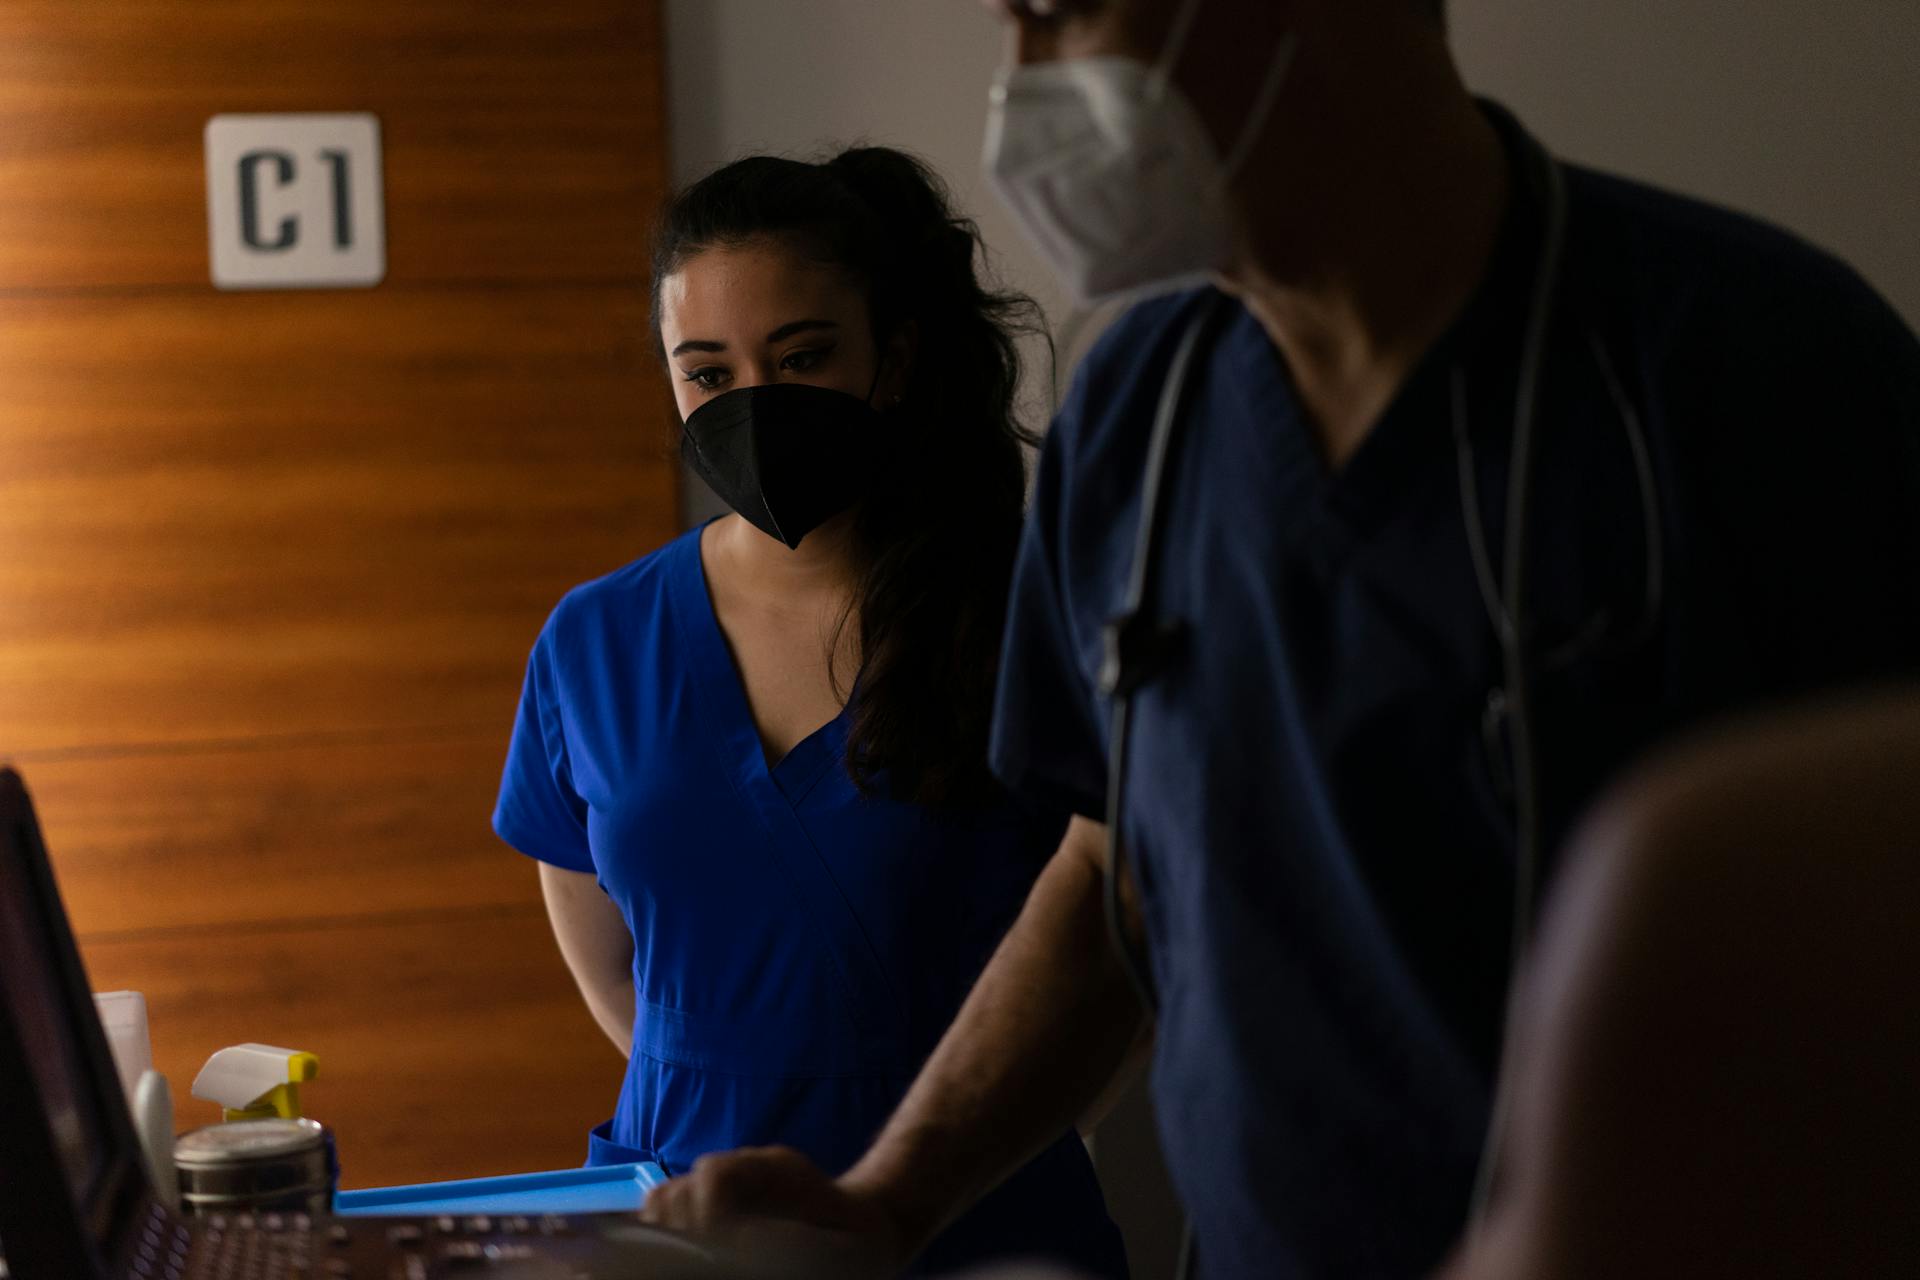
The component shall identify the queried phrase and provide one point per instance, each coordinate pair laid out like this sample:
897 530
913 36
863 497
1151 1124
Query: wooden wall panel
450 1045
522 141
289 513
270 563
267 831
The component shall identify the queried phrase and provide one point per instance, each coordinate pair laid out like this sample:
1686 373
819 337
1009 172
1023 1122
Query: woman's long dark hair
935 539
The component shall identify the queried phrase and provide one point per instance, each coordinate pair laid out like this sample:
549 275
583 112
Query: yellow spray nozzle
256 1081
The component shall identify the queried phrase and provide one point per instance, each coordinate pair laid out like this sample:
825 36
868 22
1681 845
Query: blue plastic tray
612 1188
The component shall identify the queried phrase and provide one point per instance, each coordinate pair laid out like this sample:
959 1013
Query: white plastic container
124 1015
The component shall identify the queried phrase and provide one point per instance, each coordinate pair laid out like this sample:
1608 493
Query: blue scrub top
1319 822
799 947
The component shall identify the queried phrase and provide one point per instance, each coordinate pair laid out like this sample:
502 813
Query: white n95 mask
1110 173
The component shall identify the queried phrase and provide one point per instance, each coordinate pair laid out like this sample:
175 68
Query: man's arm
1045 1030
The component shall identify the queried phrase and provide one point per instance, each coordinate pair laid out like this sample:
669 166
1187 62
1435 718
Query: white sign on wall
294 201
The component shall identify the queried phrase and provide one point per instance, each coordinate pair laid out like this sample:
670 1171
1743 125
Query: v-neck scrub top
799 947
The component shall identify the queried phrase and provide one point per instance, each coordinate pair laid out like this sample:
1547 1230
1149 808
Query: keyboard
296 1246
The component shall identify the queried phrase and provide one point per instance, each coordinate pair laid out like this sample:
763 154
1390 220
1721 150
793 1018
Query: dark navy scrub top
799 947
1320 825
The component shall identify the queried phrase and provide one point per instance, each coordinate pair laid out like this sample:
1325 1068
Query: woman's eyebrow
788 330
781 334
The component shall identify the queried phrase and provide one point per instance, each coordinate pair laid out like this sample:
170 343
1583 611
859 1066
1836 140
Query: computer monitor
71 1174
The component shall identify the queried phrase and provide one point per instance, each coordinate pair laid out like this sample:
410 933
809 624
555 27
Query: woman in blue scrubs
752 765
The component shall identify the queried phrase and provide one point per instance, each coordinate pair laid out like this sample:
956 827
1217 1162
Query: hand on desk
776 1213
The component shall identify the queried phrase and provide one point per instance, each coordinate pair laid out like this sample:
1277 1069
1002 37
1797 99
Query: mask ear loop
1269 92
1262 106
1170 53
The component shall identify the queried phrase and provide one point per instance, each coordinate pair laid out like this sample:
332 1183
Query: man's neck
1390 212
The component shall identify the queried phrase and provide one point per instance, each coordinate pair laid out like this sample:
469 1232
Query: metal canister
256 1166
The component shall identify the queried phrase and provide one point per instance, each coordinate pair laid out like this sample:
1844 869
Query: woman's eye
801 361
706 378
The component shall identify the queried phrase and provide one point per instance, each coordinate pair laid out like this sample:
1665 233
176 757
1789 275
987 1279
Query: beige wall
1802 112
799 75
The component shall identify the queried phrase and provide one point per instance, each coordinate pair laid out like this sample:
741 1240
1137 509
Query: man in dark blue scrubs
1327 775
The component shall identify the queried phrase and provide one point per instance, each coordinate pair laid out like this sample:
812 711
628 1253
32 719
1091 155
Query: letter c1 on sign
295 201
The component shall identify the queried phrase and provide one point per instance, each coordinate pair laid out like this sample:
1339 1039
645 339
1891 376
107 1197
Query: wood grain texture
450 1046
289 513
522 141
270 563
198 839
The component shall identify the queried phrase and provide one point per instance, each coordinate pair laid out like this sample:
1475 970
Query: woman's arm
595 944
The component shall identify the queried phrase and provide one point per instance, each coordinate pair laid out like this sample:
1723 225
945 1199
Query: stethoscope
1139 643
